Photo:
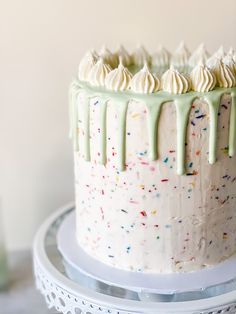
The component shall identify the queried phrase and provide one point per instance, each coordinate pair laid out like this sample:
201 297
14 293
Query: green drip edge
153 102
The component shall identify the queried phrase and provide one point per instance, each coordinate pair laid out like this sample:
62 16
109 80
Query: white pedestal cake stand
73 292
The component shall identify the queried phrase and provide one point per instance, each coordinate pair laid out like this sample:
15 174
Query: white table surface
22 297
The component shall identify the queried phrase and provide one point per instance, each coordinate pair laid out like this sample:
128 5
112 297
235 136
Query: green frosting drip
122 110
154 110
73 112
154 104
232 129
213 100
183 107
103 132
86 113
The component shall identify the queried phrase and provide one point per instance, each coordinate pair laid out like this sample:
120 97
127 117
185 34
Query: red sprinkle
143 213
164 180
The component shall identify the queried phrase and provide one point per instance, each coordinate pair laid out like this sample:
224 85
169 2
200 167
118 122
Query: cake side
147 218
155 143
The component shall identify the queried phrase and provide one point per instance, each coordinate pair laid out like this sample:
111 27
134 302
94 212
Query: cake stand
88 295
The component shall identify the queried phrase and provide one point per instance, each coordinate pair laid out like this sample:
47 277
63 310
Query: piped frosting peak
180 57
86 64
94 69
229 61
203 79
123 54
161 58
220 53
214 59
224 75
200 54
232 53
98 73
141 56
175 82
118 79
145 82
109 57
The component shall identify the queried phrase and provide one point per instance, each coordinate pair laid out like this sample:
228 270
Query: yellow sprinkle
135 115
154 212
142 186
225 150
193 184
117 178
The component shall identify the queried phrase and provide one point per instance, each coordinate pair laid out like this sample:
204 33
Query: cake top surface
143 73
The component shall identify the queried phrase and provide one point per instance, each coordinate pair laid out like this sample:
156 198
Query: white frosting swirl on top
85 66
118 79
123 54
224 75
232 53
180 57
98 73
214 59
145 82
200 54
175 82
229 61
161 58
220 53
141 56
108 57
202 78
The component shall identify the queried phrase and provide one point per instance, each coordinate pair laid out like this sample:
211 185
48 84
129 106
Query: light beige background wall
41 42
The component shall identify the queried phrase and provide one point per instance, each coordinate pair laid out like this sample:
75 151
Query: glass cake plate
73 291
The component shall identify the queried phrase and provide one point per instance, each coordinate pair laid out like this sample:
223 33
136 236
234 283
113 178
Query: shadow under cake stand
73 282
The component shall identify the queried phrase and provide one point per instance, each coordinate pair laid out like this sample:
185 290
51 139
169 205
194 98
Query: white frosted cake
155 166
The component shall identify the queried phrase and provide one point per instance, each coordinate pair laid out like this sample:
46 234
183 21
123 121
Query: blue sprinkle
201 116
128 249
166 159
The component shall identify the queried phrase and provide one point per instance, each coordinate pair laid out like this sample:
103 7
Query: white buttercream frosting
175 82
220 53
202 78
161 58
229 61
200 54
180 57
98 73
224 75
86 64
109 57
118 79
232 53
214 59
123 54
145 82
141 56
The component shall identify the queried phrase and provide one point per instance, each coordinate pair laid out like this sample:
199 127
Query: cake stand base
88 295
160 287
